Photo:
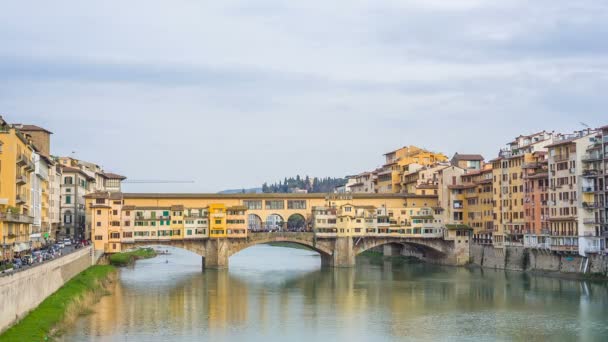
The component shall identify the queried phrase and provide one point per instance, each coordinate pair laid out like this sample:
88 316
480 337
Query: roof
563 142
31 128
237 207
268 195
458 156
75 170
110 175
177 207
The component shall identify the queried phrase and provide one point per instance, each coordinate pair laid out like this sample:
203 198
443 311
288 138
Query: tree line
312 185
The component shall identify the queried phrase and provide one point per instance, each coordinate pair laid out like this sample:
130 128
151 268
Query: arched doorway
254 223
296 223
274 222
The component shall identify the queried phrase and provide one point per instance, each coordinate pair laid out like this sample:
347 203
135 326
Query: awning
20 247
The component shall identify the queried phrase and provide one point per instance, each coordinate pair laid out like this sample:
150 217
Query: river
282 294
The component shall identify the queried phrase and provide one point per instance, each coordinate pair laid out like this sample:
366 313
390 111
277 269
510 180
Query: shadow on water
274 292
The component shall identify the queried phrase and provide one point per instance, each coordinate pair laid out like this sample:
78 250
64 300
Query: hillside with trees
312 185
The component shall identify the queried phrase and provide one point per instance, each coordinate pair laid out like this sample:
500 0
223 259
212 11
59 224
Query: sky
230 94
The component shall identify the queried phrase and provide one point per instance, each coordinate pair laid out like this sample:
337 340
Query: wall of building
23 291
524 259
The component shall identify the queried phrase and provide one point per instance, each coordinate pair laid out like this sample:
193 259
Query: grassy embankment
128 258
62 307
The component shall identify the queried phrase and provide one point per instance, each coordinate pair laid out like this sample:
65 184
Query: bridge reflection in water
278 293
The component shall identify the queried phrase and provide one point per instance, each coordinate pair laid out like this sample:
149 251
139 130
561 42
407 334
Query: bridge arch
274 222
296 222
254 222
323 250
435 248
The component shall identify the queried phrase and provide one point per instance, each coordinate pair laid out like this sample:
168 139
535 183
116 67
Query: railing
591 157
13 217
559 158
21 179
588 189
590 173
590 205
20 199
21 159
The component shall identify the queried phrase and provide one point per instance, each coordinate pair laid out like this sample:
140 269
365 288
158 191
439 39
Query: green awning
457 226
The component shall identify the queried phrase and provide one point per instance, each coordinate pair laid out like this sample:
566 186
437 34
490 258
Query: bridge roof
267 195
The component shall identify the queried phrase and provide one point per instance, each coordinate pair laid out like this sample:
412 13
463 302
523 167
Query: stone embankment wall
23 291
523 259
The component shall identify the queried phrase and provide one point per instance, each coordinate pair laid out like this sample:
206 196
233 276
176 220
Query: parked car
67 242
61 244
17 263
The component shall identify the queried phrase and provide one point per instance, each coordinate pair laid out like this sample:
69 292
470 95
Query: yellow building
217 220
404 160
15 190
478 205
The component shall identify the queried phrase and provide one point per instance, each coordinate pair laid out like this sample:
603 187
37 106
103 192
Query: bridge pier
216 254
343 256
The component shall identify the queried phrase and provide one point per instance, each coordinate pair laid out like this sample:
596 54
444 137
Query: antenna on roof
584 124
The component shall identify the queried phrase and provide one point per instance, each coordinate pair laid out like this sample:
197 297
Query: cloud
235 93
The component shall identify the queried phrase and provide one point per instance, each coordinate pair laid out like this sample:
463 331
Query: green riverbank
62 307
377 258
128 258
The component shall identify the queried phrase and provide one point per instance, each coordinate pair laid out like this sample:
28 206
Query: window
275 204
98 237
98 224
68 199
296 204
100 201
115 235
98 212
218 221
114 212
67 218
253 205
68 180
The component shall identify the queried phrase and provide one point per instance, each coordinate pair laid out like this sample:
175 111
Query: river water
282 294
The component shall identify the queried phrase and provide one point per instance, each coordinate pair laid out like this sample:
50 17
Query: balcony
591 221
591 173
591 157
21 159
29 166
21 179
559 158
590 205
16 218
592 249
20 199
588 189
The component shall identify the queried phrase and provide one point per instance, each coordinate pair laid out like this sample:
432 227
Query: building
508 186
75 184
536 198
17 168
467 161
362 183
472 203
574 195
404 160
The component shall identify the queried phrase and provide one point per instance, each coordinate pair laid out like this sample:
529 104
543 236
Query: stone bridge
334 251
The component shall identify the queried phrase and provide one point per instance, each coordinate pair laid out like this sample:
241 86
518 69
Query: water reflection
274 293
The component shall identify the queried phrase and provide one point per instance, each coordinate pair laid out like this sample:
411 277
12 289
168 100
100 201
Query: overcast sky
234 93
